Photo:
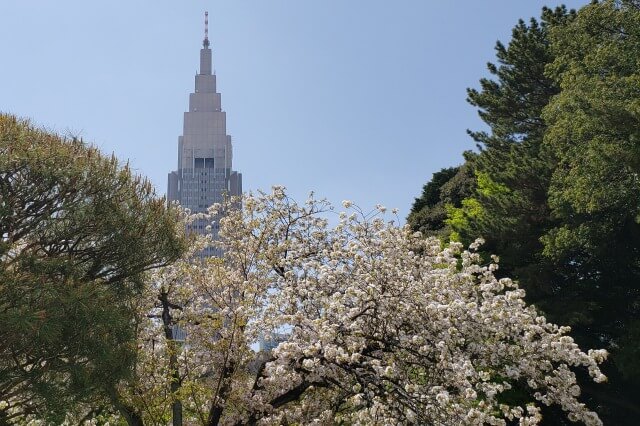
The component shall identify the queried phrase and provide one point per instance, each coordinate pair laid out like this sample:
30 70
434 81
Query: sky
352 99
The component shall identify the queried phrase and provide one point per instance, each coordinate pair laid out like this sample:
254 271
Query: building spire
205 42
205 52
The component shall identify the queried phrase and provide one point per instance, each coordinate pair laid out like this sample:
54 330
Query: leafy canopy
77 234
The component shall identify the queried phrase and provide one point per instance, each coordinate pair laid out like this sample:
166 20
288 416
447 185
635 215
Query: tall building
205 174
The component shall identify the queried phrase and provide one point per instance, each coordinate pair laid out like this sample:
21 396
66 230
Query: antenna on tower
205 42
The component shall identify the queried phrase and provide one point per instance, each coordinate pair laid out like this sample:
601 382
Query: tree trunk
129 414
176 407
215 414
134 419
289 396
167 321
176 412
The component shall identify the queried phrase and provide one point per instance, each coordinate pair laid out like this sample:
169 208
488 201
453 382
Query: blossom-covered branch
381 326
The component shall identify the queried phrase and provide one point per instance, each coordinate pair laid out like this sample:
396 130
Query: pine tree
77 233
556 180
513 168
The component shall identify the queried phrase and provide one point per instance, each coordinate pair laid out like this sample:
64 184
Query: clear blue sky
357 99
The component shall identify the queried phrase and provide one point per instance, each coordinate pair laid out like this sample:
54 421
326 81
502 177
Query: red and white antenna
205 42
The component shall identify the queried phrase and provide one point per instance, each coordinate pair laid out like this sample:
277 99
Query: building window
203 163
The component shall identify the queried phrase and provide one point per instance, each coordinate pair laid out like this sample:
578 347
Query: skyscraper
205 174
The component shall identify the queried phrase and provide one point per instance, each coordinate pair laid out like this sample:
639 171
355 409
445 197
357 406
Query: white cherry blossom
382 326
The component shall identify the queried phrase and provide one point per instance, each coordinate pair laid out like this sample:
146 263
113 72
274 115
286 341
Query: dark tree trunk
176 412
215 414
167 321
129 414
289 396
134 419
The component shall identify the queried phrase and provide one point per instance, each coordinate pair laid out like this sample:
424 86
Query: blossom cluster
383 326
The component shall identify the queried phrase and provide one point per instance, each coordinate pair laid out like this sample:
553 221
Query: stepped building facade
205 174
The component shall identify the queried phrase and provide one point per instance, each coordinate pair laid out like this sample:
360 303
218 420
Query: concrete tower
205 174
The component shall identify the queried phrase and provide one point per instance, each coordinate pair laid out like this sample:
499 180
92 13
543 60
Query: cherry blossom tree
382 326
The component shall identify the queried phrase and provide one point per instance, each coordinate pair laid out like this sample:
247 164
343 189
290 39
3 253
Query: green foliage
447 189
513 169
594 132
556 190
487 187
77 233
627 357
470 210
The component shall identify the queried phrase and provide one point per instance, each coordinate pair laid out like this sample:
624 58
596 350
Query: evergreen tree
556 179
447 189
77 233
509 207
594 132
